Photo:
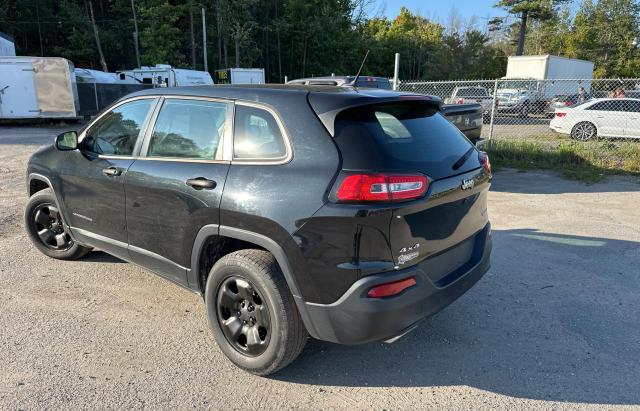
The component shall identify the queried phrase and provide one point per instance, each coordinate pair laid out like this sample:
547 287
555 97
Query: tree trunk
237 44
304 57
226 54
523 31
103 63
193 38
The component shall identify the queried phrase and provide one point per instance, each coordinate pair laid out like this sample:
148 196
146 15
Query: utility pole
103 63
136 35
204 41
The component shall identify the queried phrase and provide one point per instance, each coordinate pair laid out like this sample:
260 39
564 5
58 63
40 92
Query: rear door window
257 135
401 137
607 105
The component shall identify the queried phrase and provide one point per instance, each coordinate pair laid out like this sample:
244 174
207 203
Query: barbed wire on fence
525 108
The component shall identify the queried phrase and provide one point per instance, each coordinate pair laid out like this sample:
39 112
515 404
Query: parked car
347 215
363 81
520 102
565 100
467 118
470 95
603 117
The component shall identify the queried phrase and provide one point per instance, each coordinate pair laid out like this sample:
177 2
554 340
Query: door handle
201 183
111 171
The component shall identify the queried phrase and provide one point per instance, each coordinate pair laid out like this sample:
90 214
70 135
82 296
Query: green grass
588 161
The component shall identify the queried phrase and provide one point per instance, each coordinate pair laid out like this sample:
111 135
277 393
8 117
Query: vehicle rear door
92 178
175 186
632 111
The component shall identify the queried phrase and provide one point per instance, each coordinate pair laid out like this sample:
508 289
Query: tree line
303 38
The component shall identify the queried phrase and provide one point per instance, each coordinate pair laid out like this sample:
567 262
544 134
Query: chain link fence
93 97
581 108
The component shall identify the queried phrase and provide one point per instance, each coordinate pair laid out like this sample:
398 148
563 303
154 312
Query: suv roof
327 101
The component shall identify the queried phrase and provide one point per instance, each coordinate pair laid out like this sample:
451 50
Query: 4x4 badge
468 184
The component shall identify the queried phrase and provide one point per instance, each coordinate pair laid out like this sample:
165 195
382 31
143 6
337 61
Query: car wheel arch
252 239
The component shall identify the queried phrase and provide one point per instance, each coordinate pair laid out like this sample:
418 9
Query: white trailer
163 75
240 76
37 87
7 46
569 74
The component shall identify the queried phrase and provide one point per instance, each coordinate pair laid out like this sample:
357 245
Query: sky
440 9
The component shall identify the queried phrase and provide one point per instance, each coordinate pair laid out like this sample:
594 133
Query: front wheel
252 313
524 111
46 229
584 131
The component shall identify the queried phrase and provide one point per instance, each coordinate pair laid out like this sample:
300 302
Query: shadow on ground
556 318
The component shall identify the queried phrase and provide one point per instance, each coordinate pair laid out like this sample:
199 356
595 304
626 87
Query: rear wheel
46 229
252 313
524 110
584 131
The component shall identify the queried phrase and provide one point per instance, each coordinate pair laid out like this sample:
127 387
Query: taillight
567 103
561 114
460 101
484 160
391 289
381 187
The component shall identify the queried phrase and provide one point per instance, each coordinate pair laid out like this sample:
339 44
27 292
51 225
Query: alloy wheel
583 131
49 227
243 316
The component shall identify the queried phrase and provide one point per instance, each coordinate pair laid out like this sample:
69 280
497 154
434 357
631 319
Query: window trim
143 128
283 131
225 140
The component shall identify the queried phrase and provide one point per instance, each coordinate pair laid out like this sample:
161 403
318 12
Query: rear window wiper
463 159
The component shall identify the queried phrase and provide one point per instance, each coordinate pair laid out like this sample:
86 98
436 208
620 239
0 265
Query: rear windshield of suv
403 137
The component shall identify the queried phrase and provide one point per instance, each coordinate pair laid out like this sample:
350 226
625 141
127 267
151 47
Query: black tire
46 229
584 131
274 346
524 111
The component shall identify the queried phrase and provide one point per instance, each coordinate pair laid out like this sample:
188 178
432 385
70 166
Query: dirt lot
554 324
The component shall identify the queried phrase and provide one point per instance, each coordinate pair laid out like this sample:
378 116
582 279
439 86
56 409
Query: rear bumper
356 319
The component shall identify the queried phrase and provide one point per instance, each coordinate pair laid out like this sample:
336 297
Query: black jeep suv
341 213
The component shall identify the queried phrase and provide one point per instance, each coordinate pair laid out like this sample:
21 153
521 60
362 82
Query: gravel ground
555 324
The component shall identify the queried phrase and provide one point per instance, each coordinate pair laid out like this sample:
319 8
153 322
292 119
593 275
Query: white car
600 117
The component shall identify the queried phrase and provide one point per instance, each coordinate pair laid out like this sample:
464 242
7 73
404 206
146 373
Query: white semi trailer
557 75
37 87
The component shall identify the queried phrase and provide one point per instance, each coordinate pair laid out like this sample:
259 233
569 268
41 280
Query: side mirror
67 141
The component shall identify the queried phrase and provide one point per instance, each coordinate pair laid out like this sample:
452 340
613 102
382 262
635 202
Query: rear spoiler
327 106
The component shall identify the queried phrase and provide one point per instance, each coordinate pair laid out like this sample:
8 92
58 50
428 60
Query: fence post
396 71
493 109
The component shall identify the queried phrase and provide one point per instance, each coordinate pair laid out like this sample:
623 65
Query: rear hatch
412 138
